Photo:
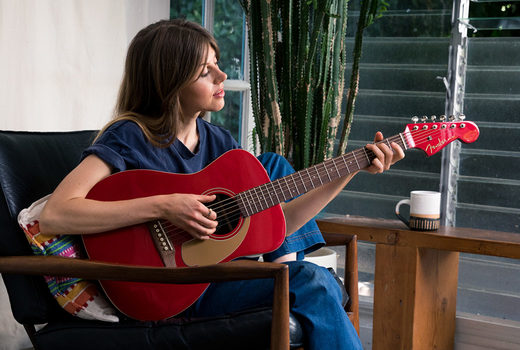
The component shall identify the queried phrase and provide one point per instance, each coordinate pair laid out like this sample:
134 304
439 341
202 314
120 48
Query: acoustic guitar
249 215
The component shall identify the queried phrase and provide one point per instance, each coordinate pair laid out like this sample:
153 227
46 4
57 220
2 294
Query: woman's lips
220 93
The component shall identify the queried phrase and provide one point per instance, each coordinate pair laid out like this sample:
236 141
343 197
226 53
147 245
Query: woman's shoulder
123 129
123 126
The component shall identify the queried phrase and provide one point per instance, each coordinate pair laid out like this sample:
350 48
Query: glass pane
496 23
404 52
229 116
493 18
406 18
191 10
229 32
488 187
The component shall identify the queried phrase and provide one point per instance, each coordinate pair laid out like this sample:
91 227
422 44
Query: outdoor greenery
297 63
298 96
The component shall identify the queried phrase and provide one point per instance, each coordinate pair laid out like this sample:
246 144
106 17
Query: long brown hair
162 58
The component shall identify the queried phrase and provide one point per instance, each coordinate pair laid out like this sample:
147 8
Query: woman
171 78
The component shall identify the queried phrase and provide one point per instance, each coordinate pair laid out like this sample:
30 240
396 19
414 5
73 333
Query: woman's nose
221 76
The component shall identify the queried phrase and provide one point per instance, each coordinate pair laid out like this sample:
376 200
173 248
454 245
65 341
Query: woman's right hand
190 213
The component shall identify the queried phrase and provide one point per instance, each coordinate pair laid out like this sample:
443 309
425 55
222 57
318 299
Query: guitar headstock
434 136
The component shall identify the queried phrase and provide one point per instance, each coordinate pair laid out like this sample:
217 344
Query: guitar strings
222 204
419 137
225 204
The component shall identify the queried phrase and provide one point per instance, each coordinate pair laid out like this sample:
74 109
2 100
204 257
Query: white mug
425 210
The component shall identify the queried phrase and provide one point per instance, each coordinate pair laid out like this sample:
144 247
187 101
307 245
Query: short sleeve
119 146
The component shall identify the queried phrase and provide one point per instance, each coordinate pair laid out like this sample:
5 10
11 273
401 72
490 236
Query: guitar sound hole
228 214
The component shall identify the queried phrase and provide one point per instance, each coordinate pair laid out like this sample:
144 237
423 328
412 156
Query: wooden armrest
349 241
234 270
88 269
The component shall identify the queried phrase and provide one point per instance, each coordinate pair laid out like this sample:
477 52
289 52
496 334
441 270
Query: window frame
246 123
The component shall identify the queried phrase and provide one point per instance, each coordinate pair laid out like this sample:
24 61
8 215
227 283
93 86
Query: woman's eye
205 74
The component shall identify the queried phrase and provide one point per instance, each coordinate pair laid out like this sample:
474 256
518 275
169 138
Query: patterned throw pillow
79 297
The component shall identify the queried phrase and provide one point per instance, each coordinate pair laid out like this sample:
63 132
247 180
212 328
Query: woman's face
206 92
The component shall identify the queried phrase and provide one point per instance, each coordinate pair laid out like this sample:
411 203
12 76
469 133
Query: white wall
61 61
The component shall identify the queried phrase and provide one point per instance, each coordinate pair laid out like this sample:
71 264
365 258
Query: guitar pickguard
213 251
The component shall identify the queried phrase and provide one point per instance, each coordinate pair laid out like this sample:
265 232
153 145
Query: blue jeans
315 297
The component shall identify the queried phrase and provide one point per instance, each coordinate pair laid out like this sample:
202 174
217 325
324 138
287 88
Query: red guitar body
232 173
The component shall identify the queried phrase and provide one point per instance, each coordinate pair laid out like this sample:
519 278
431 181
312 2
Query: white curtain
61 61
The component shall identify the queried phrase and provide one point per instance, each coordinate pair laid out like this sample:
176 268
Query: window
404 54
226 21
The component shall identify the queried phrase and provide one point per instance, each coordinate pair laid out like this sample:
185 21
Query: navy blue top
124 146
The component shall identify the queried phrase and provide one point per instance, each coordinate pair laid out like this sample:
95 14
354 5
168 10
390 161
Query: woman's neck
188 134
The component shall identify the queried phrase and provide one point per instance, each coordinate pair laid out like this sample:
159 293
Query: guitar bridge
163 245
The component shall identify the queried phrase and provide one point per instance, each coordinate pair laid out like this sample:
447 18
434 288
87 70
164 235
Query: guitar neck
283 189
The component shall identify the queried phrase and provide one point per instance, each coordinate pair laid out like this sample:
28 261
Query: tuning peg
442 118
452 118
415 119
433 117
462 117
424 118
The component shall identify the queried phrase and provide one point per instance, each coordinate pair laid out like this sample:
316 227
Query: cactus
297 77
369 12
297 74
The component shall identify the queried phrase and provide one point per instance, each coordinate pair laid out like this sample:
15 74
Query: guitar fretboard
272 193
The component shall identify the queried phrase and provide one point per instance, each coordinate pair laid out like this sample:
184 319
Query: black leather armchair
31 165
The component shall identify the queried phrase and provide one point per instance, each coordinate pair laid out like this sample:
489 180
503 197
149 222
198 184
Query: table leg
415 292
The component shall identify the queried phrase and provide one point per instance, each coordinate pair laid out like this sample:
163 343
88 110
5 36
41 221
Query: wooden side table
416 275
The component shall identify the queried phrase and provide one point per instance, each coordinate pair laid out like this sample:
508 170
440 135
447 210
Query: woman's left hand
384 155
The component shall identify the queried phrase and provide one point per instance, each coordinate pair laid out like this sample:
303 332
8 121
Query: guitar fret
310 178
276 191
303 182
336 167
404 143
246 203
355 158
287 186
327 171
264 196
254 202
245 212
295 186
273 190
345 162
366 155
318 174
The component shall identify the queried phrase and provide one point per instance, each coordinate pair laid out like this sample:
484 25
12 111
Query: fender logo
442 142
